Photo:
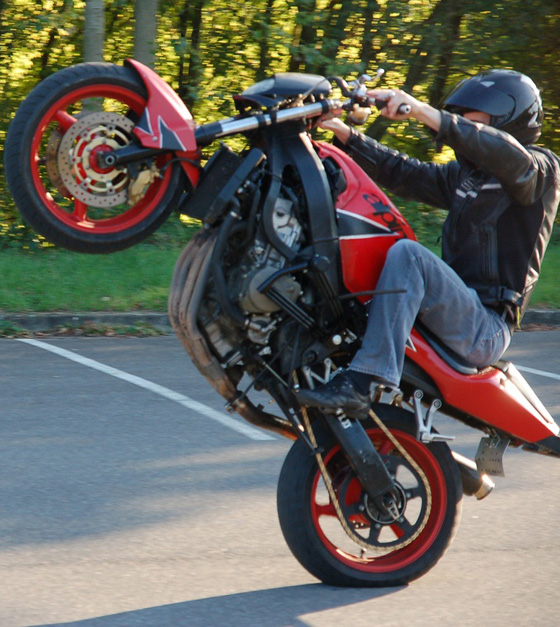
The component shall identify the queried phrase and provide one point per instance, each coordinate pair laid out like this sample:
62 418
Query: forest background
209 50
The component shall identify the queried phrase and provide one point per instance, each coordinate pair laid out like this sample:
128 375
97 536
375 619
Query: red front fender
166 123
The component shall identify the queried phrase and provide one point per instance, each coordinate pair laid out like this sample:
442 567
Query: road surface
129 497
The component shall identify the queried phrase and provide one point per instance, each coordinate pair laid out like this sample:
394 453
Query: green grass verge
58 280
138 278
547 292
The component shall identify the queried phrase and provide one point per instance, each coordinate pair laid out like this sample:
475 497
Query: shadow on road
277 607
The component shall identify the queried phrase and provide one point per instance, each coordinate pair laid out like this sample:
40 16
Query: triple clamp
425 419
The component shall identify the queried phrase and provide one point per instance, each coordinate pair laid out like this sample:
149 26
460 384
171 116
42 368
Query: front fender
166 122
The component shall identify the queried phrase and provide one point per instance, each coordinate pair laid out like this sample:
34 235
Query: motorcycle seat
451 358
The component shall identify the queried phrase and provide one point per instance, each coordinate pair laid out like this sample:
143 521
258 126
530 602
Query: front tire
52 170
314 533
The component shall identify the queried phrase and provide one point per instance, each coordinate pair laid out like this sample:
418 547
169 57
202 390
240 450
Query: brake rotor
78 167
51 163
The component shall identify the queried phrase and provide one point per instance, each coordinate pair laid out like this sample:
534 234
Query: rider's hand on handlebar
394 104
400 106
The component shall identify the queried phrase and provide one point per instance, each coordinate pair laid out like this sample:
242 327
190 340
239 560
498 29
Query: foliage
211 49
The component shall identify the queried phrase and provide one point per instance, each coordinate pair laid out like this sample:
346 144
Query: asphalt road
128 498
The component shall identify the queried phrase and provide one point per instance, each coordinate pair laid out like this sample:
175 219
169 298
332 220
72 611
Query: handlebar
207 133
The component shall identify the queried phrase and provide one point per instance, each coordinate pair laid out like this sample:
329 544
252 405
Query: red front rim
334 538
65 207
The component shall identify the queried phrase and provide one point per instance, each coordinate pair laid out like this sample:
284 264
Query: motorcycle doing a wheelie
270 295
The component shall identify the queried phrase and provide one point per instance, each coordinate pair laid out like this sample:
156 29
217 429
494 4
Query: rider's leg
434 293
440 299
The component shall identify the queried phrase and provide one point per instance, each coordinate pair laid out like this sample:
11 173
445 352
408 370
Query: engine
248 270
263 261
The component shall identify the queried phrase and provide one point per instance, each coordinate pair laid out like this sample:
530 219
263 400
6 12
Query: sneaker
338 393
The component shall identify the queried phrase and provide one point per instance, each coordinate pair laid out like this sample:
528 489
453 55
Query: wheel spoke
80 211
64 119
386 447
374 533
401 529
392 462
417 491
326 510
353 512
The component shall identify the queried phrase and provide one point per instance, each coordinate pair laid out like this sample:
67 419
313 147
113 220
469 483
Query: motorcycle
271 295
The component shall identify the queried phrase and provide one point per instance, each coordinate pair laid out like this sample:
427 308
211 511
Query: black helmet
510 98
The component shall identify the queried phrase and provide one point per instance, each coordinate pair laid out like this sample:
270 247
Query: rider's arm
524 175
407 177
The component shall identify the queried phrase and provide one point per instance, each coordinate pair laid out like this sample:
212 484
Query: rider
502 193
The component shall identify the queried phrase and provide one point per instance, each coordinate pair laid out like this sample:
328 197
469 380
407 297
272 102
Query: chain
356 538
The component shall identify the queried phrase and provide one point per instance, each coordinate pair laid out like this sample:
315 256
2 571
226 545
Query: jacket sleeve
525 174
405 176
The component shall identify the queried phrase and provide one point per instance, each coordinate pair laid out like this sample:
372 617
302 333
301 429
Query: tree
94 30
190 24
217 48
145 31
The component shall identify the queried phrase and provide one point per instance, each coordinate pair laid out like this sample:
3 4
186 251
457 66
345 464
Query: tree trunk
145 31
336 21
94 30
190 69
264 41
366 49
304 35
183 25
451 35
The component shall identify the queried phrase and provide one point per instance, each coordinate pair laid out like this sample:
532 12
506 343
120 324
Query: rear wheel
398 550
52 168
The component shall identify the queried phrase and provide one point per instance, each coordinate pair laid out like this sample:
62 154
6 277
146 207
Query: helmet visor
480 96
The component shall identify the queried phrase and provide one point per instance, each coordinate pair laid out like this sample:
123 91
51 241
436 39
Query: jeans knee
404 251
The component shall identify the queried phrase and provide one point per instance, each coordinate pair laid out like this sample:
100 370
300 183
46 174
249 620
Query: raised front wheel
52 161
389 551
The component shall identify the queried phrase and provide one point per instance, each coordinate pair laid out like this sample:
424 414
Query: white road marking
185 401
541 373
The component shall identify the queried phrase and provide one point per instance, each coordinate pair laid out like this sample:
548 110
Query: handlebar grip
404 109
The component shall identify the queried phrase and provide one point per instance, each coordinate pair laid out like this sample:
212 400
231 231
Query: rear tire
52 171
315 535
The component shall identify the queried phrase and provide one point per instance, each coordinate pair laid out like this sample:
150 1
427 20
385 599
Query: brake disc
78 167
51 163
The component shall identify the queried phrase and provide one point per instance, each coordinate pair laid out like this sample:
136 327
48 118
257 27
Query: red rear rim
65 207
333 536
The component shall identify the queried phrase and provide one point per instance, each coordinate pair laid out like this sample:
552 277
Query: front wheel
52 167
398 550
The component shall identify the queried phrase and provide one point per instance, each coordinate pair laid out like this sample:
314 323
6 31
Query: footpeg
424 420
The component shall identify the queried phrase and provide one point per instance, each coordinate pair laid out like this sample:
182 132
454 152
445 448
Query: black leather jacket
502 198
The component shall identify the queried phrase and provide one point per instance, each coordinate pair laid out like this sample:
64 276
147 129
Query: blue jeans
441 300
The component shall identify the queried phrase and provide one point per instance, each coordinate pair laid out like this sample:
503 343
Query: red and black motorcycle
270 295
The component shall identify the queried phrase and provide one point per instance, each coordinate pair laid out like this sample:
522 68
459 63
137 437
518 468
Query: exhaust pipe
474 483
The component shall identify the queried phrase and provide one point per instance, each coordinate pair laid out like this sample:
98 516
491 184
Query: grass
547 292
57 280
138 278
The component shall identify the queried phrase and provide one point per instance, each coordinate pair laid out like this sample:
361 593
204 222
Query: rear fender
498 397
166 122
